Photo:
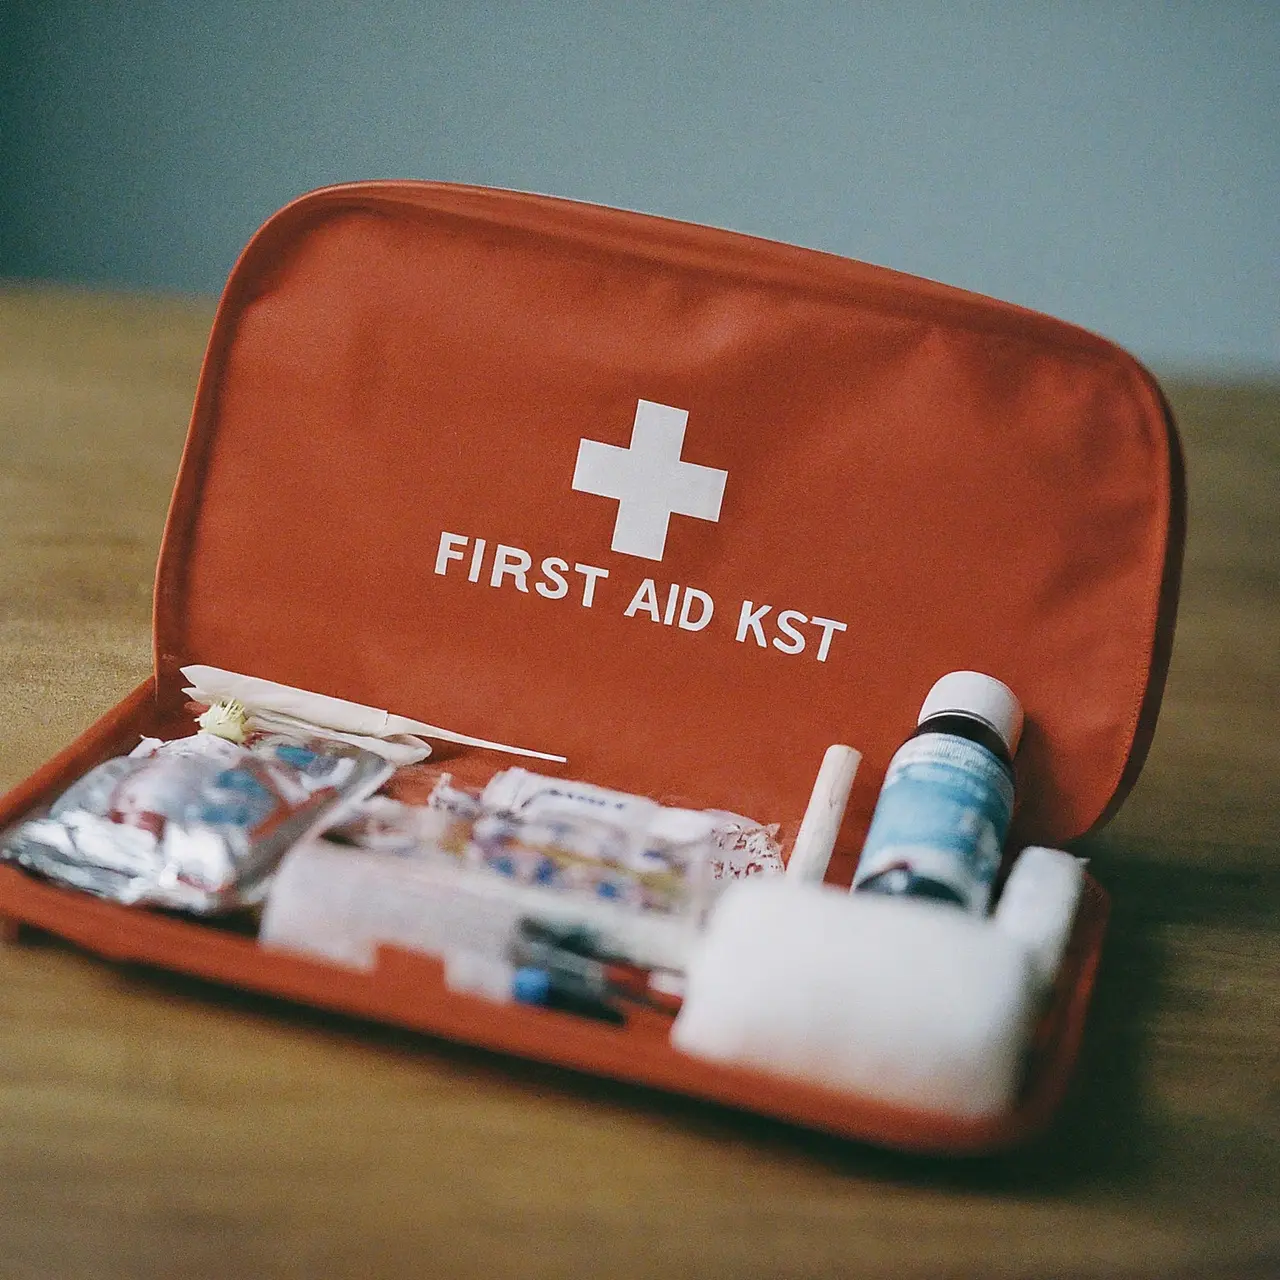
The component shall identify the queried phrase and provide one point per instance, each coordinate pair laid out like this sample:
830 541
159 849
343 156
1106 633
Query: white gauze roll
1038 905
902 1001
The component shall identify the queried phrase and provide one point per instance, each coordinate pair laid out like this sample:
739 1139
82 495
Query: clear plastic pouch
198 824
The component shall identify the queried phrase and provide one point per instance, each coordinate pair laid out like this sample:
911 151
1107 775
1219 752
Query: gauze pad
1038 906
896 1000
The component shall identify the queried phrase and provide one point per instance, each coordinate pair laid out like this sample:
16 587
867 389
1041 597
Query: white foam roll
901 1001
1039 903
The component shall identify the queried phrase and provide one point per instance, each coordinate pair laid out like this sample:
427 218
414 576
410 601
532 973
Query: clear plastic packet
741 846
574 838
650 870
198 824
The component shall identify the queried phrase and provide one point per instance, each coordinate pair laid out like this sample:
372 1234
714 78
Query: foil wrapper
198 824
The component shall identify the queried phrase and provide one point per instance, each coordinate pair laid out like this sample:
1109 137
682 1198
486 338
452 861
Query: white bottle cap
985 698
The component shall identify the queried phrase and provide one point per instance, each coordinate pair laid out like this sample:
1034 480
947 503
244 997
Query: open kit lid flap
681 505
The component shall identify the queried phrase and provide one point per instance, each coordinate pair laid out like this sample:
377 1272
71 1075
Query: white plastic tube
821 824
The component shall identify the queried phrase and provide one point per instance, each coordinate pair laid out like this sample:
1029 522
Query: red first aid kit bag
682 505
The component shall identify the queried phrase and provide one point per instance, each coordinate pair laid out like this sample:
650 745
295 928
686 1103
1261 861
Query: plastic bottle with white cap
944 810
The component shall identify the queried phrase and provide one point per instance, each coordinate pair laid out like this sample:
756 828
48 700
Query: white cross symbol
649 481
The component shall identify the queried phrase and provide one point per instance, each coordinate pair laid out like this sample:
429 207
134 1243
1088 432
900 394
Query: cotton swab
214 684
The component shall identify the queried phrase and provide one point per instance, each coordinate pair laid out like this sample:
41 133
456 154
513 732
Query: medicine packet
574 838
197 824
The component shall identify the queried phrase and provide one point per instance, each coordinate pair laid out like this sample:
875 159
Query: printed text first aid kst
786 631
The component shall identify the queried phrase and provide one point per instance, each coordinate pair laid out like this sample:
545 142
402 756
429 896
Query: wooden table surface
151 1126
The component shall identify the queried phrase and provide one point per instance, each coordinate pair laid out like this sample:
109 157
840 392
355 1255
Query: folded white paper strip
209 684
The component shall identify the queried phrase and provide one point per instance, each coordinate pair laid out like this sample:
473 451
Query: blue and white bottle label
940 824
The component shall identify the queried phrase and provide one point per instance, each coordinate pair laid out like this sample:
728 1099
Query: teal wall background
1115 163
